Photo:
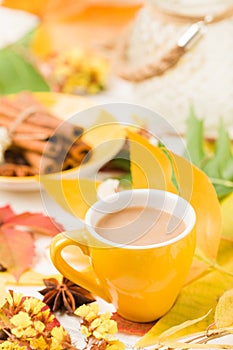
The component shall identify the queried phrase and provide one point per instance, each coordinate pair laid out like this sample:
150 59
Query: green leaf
121 161
173 177
17 74
125 181
195 139
218 165
25 41
222 187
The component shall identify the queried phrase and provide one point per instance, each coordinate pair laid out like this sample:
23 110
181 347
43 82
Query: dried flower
8 345
76 71
27 323
66 295
98 329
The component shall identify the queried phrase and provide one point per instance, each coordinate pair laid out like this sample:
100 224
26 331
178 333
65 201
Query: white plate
105 145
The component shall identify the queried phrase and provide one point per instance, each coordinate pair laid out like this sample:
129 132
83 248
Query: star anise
66 295
2 268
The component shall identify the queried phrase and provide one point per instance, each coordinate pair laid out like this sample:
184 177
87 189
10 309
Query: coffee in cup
142 270
139 226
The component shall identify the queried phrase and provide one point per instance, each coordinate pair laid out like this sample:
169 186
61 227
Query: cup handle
84 279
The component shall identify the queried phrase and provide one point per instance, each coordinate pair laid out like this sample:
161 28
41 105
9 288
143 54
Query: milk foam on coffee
139 226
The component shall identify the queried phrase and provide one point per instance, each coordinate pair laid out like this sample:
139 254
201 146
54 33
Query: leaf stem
226 183
213 264
204 161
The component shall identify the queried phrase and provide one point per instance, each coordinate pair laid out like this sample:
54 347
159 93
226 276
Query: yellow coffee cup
141 281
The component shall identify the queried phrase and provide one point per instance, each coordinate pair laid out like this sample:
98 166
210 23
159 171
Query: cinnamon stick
52 148
7 109
70 163
41 142
26 127
25 99
40 117
79 151
10 169
42 164
30 145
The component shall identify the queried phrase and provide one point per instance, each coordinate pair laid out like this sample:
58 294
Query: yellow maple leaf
69 23
226 206
223 312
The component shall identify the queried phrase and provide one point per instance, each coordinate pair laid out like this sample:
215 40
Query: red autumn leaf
5 214
35 222
129 327
16 250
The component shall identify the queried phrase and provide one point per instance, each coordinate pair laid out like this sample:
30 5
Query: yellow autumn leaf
76 195
227 217
63 105
196 299
2 291
224 310
28 278
175 329
209 220
65 24
179 345
117 345
36 7
32 277
151 168
73 195
105 133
